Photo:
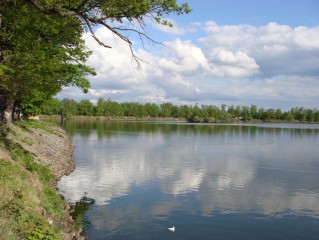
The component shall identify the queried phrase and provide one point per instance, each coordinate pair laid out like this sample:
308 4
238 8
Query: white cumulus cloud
272 66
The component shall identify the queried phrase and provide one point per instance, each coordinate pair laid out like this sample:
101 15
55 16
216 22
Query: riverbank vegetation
203 113
31 207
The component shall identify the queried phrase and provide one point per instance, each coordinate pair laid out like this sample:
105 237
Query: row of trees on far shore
192 113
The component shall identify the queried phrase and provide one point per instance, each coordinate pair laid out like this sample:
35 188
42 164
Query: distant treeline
203 113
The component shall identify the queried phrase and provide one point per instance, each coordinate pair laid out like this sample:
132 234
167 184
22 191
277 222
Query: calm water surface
133 180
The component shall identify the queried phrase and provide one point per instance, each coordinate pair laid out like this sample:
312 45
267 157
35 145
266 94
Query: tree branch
55 9
136 58
90 13
93 34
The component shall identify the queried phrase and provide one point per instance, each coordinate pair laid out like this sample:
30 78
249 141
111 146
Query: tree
253 111
278 114
69 107
85 107
261 113
289 116
39 57
237 111
112 108
152 109
245 113
196 115
166 109
41 49
231 110
310 115
185 111
133 109
113 14
51 107
223 107
100 107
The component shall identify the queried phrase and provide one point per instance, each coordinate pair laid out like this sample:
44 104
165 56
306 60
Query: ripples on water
221 181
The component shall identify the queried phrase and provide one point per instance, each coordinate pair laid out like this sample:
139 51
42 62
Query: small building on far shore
33 117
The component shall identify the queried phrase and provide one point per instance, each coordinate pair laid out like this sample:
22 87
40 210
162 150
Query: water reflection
144 172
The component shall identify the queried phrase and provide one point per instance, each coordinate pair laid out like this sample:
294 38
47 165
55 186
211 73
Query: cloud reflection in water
231 171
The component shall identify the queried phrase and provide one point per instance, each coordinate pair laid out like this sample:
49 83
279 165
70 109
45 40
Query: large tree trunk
8 112
1 51
16 115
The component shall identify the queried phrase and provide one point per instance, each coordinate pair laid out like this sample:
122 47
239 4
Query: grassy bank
30 206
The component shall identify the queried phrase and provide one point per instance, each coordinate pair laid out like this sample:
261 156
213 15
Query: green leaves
42 46
43 54
138 10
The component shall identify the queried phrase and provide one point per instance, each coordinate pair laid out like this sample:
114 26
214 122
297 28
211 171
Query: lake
133 180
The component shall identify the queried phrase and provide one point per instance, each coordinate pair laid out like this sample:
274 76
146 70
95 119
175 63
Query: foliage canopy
41 49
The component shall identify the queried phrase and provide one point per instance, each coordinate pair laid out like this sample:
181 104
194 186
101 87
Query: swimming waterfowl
172 229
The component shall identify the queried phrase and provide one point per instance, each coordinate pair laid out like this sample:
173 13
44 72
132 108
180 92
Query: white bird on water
172 229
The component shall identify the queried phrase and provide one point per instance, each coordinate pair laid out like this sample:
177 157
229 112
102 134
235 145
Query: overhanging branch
93 34
83 12
58 9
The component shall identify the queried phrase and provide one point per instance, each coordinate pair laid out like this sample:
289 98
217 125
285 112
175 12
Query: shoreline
108 118
53 148
164 119
42 153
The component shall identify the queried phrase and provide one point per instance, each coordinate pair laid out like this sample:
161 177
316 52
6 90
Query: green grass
25 196
23 201
18 136
27 124
28 196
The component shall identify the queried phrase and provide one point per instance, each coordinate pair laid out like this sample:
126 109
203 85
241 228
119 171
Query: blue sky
233 52
255 12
